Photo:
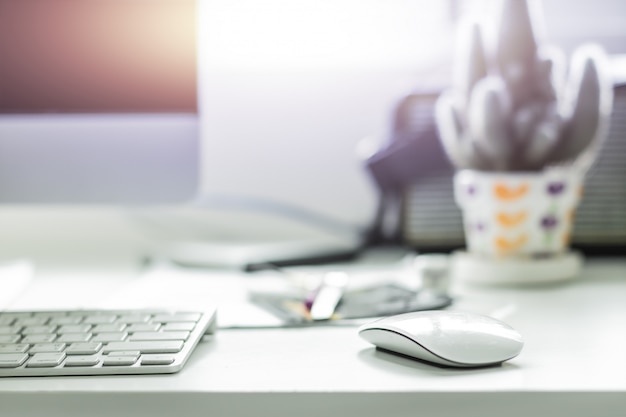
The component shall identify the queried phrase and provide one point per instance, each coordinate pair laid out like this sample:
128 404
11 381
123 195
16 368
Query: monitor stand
254 256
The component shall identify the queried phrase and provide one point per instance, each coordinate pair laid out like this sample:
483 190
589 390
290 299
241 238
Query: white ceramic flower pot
510 214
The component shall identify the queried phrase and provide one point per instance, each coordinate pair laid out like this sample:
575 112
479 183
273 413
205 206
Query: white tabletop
573 364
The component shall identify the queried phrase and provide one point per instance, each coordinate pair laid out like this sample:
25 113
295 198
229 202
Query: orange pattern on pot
506 193
566 239
507 245
511 220
571 215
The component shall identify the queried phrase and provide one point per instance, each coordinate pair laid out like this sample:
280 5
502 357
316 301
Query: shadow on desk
403 365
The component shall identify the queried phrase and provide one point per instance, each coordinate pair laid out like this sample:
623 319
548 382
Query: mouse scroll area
399 344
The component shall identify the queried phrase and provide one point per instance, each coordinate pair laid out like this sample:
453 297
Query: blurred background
286 91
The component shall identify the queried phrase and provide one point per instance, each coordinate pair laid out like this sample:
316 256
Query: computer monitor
98 101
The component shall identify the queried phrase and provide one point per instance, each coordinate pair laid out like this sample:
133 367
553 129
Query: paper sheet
170 287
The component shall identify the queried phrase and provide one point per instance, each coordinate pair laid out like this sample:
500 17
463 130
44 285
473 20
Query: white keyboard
100 342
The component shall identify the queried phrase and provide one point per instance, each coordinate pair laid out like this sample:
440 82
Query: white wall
288 89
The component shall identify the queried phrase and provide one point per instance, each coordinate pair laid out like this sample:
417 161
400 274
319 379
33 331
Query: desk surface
573 364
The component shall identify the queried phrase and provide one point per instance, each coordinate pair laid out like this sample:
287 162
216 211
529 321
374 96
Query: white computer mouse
450 338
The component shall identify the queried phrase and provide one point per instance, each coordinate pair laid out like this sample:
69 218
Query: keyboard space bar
171 346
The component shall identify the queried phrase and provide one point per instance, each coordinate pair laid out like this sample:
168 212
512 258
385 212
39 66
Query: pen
328 295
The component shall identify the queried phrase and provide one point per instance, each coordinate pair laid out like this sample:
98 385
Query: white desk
573 364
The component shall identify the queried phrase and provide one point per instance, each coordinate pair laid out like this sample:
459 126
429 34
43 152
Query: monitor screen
98 101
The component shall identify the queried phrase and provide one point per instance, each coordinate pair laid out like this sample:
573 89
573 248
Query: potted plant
522 130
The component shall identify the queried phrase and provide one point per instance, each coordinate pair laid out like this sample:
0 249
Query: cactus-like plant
515 112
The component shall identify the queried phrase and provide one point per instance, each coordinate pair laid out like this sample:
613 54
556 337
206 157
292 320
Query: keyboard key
110 337
152 327
47 348
10 329
88 348
74 328
17 315
118 360
82 360
6 321
14 347
159 336
74 337
146 347
157 359
45 360
174 327
12 360
49 314
135 353
100 319
108 328
134 318
32 321
9 338
38 329
39 338
66 320
176 318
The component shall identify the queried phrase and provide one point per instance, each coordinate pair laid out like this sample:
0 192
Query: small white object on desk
14 278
